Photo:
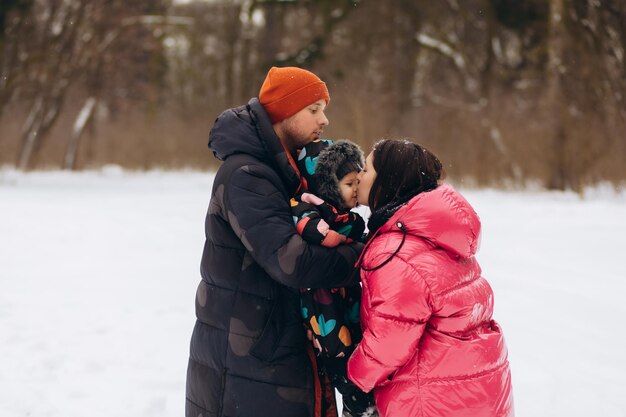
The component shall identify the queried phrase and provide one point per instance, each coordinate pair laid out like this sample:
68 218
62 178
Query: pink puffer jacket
430 347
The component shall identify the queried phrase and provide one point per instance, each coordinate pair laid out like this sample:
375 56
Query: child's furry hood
319 163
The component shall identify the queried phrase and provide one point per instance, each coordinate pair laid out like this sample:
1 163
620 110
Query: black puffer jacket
248 348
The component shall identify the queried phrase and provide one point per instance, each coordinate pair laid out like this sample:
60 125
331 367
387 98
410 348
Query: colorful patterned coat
332 314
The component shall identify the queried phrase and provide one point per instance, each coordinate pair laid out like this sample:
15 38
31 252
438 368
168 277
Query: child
322 215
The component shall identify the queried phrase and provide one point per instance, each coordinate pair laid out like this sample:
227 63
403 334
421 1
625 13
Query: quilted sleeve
261 217
400 309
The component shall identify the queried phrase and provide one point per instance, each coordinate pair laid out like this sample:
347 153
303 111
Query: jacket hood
248 130
235 132
441 216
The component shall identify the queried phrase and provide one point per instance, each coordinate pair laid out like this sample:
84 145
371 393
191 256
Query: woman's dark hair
403 169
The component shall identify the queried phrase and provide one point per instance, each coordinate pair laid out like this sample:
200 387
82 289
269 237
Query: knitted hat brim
297 100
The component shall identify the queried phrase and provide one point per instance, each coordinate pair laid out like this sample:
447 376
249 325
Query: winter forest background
523 100
506 92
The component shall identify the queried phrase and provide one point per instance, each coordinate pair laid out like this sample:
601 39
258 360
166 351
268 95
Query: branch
459 105
158 20
143 20
441 47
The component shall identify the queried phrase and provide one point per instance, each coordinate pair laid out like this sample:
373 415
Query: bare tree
53 75
503 90
51 48
13 25
554 94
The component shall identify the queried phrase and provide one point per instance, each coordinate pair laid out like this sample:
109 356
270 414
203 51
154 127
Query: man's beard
295 139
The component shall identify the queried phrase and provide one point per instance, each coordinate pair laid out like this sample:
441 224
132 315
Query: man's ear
279 130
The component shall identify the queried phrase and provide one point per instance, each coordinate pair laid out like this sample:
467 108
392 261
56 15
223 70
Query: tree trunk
555 100
82 119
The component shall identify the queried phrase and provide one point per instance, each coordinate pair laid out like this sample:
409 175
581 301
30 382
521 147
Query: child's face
347 187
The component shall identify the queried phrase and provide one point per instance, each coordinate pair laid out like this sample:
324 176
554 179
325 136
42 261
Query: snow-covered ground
98 272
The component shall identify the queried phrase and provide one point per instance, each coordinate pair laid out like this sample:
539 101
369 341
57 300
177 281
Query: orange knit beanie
288 90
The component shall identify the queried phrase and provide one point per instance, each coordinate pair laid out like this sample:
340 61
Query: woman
430 347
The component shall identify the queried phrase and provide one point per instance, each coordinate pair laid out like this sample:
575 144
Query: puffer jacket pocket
266 345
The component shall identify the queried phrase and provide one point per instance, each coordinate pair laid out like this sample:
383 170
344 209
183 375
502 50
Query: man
249 352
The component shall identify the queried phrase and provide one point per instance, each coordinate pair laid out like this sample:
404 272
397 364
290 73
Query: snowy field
98 273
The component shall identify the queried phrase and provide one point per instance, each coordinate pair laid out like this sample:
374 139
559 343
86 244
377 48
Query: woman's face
366 178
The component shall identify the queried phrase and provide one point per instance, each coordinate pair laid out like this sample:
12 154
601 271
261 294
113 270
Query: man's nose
324 120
